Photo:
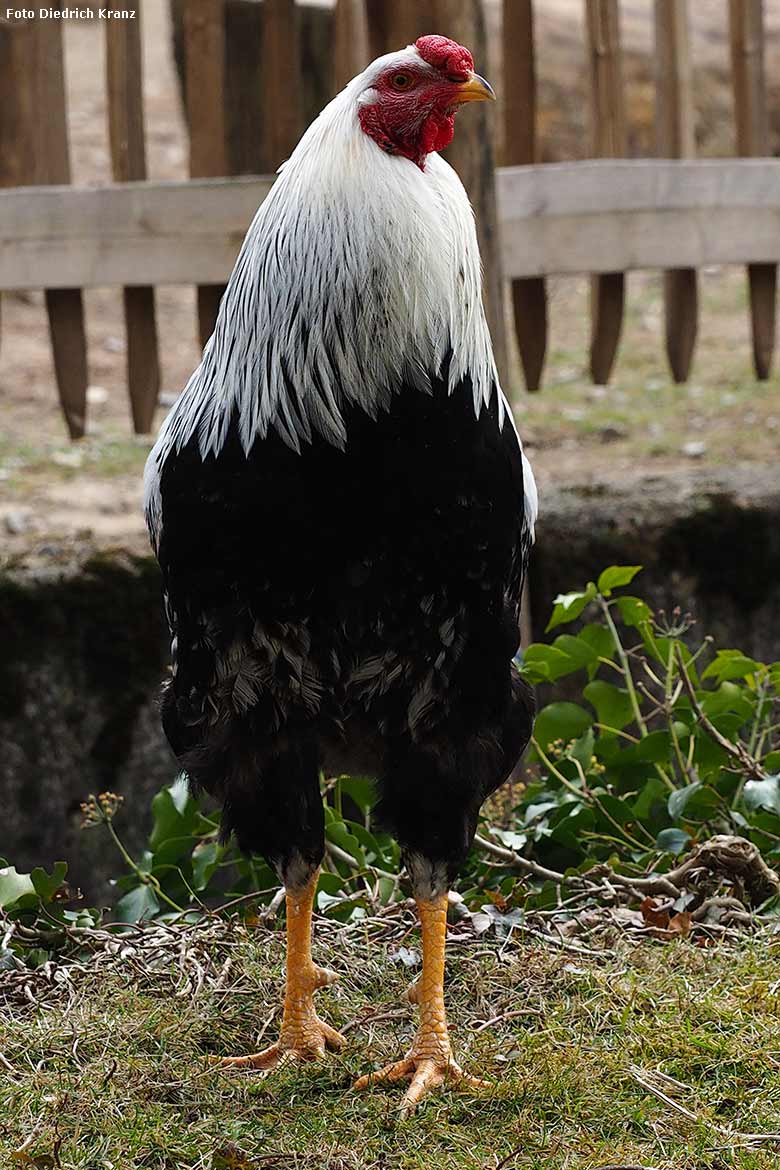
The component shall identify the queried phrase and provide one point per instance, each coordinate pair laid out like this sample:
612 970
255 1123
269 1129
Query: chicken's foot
303 1035
429 1061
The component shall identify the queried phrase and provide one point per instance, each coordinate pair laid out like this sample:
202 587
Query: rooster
342 513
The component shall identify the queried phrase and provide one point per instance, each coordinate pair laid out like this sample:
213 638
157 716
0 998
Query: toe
391 1072
333 1039
463 1078
429 1075
323 977
263 1061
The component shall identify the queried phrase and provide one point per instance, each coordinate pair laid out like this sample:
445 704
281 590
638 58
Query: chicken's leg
303 1036
429 1061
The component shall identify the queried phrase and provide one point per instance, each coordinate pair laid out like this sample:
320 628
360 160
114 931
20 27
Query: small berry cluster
98 810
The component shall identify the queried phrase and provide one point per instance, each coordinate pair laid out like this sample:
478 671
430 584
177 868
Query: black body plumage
353 609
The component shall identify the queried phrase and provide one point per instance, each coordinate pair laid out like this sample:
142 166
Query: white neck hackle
359 274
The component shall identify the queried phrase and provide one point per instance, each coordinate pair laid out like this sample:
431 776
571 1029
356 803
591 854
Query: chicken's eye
401 81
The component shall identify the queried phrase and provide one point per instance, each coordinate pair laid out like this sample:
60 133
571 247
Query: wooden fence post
204 32
17 125
473 155
675 137
529 296
281 81
351 46
392 24
746 27
128 162
608 131
65 306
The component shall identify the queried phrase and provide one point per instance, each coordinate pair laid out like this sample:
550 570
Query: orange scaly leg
429 1061
303 1036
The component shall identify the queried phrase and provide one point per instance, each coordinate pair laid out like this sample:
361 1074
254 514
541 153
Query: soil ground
642 424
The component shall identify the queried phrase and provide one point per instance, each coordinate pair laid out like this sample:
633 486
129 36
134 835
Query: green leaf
730 664
510 838
36 957
331 884
620 810
173 850
569 823
695 802
679 799
673 841
651 798
582 748
175 813
613 705
542 663
564 721
728 698
616 576
763 794
138 905
568 606
378 848
633 611
13 885
654 748
581 653
360 789
46 885
601 642
205 859
338 833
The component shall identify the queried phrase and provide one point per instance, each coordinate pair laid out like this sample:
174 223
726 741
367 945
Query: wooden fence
603 217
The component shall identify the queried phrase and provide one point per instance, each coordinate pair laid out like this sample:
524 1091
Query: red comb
446 55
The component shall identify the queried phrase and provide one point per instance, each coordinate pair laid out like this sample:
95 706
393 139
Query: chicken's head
410 98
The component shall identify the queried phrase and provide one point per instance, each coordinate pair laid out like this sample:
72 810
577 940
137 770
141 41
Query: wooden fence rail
561 218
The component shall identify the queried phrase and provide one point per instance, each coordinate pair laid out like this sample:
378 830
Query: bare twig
643 1078
506 1016
732 856
373 1018
339 854
514 859
621 1166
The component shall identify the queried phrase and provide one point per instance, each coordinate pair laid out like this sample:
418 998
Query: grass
120 1076
31 461
642 415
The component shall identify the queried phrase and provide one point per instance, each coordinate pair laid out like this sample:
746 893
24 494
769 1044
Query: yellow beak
476 89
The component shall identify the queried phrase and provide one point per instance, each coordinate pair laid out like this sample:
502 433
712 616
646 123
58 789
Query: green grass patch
111 1068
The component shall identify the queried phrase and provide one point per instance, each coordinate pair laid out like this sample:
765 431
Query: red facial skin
416 115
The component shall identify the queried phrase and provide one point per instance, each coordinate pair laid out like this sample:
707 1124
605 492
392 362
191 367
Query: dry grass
643 1056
